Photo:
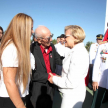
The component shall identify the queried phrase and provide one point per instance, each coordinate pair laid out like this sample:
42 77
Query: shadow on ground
86 104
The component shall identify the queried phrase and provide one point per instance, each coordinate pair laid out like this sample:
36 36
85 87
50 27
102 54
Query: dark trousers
90 76
5 102
28 102
98 97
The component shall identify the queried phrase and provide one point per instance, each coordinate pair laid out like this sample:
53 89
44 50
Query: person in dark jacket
46 59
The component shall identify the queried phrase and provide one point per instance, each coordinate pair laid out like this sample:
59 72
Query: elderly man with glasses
46 59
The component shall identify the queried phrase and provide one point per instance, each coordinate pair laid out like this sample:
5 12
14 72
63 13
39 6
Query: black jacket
40 82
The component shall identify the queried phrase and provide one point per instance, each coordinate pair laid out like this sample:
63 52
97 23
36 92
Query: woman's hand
95 85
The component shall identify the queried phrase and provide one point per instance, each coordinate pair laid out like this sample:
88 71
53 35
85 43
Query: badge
103 59
104 51
50 55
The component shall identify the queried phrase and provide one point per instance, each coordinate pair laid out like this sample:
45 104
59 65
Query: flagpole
106 18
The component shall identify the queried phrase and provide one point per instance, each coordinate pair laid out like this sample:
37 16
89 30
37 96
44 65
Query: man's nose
50 39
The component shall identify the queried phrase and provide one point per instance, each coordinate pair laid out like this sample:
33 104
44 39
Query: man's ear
39 40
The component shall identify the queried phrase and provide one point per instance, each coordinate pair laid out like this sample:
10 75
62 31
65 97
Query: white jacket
61 49
92 52
100 69
75 68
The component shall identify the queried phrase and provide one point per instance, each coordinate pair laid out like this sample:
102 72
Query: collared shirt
45 53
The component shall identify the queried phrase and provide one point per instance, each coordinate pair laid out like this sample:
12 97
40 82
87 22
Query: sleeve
9 56
91 54
77 71
57 58
32 61
39 76
60 49
96 67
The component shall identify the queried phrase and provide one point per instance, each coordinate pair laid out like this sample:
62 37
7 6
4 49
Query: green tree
88 44
54 41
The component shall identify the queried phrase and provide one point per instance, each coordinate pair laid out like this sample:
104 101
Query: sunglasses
48 38
66 36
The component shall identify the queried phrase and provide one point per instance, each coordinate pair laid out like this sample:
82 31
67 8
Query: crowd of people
30 72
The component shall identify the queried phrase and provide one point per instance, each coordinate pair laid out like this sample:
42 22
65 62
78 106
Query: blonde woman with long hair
15 61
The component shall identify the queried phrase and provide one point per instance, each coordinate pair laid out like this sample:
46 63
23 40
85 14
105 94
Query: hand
50 80
95 85
51 74
22 107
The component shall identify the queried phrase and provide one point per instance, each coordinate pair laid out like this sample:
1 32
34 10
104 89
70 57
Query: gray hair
37 35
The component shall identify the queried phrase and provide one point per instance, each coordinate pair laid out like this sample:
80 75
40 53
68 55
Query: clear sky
56 14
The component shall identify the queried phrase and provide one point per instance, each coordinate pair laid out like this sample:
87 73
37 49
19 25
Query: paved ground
86 104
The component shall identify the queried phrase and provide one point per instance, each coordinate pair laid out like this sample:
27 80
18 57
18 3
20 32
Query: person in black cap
62 51
58 39
92 54
62 39
99 38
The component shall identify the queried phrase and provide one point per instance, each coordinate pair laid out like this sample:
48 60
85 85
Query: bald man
46 59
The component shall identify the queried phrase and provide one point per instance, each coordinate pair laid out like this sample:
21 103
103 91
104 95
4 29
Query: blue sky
56 14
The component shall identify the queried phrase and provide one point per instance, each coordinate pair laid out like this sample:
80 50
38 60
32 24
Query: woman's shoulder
10 51
10 48
80 53
9 56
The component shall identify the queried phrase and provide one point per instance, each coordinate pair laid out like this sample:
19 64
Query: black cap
58 37
62 36
99 36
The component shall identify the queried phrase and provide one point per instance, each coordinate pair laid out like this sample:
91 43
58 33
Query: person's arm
77 71
39 75
57 57
91 51
96 69
9 74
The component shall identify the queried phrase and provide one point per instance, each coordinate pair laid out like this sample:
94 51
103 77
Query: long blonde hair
19 32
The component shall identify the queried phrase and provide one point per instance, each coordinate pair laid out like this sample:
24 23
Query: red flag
106 36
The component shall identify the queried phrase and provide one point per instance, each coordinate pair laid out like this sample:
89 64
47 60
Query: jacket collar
77 46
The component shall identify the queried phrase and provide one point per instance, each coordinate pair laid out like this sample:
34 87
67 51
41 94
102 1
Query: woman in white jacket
75 67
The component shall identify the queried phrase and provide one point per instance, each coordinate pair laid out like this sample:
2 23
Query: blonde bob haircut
19 33
77 32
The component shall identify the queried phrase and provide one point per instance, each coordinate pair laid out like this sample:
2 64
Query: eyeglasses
66 36
48 38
